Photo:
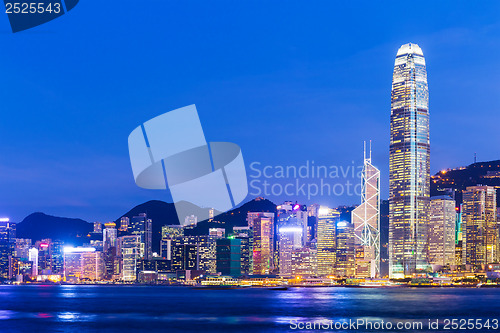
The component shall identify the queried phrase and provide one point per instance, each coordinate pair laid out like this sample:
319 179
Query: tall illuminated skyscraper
263 243
366 220
142 226
409 171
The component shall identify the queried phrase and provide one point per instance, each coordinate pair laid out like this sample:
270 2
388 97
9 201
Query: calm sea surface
181 309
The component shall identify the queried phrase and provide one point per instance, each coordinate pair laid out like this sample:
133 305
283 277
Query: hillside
482 173
38 226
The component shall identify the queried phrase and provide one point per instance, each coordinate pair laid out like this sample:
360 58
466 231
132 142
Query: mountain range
72 231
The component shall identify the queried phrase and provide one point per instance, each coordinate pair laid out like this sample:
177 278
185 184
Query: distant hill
236 217
39 226
482 173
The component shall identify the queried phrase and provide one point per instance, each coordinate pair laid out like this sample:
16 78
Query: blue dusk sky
288 81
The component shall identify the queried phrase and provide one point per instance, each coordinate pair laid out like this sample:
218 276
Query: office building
409 164
480 219
217 232
366 220
7 245
442 232
33 258
109 236
304 262
75 269
172 231
344 264
251 216
124 222
21 248
263 243
326 241
142 226
130 248
245 235
292 224
228 256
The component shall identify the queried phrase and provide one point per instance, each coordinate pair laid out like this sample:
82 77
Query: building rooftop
410 48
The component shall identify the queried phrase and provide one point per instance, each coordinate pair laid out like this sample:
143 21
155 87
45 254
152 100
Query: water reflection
149 309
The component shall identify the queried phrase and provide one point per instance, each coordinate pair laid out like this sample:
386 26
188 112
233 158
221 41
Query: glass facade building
481 228
326 243
409 171
442 231
366 220
263 244
228 256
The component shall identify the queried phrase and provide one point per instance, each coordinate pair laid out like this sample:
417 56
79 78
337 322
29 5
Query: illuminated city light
70 249
290 229
323 211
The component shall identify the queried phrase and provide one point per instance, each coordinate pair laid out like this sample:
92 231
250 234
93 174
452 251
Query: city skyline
74 160
249 165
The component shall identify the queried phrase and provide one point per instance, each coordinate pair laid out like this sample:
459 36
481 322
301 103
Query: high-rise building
124 222
409 171
304 262
481 228
97 227
263 243
290 238
142 226
366 220
442 231
185 256
251 216
74 263
344 257
130 247
7 245
217 232
228 256
326 241
45 250
191 252
312 221
245 235
172 231
57 256
109 235
292 225
22 246
293 214
92 266
33 258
